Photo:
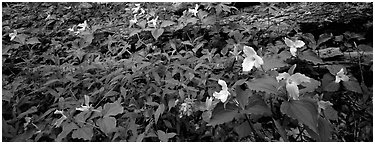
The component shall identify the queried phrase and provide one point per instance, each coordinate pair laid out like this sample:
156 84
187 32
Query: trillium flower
292 83
195 10
252 59
85 107
136 9
340 76
224 93
323 105
13 35
294 45
133 21
83 26
60 120
153 21
209 102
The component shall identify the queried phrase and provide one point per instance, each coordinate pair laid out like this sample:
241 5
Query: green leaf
324 130
167 23
328 83
84 133
330 113
32 40
164 137
222 115
310 86
266 84
242 96
158 112
310 56
365 48
156 33
291 69
106 124
257 106
352 86
243 130
271 62
66 129
304 110
112 109
334 69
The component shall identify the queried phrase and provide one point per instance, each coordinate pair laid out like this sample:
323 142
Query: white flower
83 26
85 107
195 10
340 76
153 21
13 35
294 45
224 93
60 120
323 105
209 102
252 59
133 21
292 83
138 6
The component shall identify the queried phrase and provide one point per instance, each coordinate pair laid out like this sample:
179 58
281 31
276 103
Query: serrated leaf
271 62
330 113
310 56
266 84
222 115
84 133
112 109
243 130
156 33
66 129
310 86
158 112
106 124
257 106
32 40
242 96
352 86
304 110
164 137
167 23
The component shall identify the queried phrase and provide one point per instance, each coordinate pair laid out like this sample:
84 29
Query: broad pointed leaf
106 124
222 115
84 133
66 130
156 33
330 113
164 137
243 130
271 62
112 109
328 83
324 130
304 110
266 84
167 23
158 112
323 38
310 86
257 106
242 96
352 86
310 56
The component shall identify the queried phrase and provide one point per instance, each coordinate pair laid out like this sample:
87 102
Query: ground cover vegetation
187 72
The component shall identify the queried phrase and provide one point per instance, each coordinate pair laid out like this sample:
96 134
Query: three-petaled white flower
13 35
133 21
340 76
224 93
153 21
252 59
209 102
294 45
292 83
195 10
136 9
87 106
61 119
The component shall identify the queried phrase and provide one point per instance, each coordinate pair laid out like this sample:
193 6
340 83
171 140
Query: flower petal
293 91
299 78
341 76
258 61
299 43
222 95
249 51
248 63
223 84
282 76
209 102
288 42
293 51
